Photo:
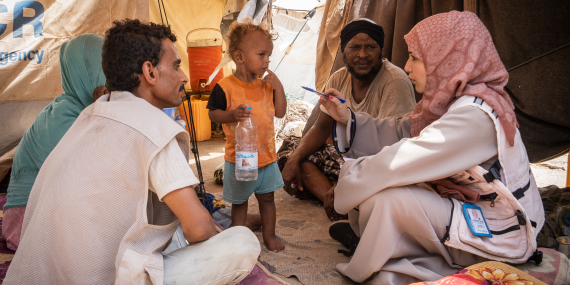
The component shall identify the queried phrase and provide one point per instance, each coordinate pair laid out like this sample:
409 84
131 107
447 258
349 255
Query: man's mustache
181 88
362 61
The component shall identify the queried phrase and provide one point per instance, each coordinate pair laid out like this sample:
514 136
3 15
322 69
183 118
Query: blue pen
321 93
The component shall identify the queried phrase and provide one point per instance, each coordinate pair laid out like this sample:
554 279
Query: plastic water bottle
180 122
246 150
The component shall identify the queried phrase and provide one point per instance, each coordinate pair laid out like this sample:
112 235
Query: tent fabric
254 9
298 67
523 30
15 119
6 163
234 6
187 15
38 29
396 17
81 73
335 16
48 24
298 5
520 30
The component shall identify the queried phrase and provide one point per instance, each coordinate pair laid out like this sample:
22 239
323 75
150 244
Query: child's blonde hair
238 31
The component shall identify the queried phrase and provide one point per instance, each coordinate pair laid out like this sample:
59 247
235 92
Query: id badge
476 220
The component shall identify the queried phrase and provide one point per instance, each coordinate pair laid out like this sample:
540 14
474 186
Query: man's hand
292 172
328 204
241 113
272 79
338 111
99 91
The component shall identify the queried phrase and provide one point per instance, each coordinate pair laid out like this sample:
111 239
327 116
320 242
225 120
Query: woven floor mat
310 253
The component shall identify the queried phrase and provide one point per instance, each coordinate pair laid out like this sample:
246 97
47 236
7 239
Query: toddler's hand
241 113
272 79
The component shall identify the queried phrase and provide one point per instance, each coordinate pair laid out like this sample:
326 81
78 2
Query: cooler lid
205 42
204 37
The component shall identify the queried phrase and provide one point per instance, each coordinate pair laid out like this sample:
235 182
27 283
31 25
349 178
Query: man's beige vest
90 218
510 202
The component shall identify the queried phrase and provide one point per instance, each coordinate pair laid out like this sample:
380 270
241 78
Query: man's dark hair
129 44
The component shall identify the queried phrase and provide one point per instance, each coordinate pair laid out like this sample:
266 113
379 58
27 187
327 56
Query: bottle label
246 160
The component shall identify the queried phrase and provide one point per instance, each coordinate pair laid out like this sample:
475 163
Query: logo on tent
23 11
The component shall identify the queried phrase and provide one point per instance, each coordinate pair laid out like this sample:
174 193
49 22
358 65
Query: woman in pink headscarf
416 181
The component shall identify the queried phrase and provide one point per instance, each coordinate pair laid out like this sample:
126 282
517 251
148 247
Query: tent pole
568 172
471 6
194 149
307 17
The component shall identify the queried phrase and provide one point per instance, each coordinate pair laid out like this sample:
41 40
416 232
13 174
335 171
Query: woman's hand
338 111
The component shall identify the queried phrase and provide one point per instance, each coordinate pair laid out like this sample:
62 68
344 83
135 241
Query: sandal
343 233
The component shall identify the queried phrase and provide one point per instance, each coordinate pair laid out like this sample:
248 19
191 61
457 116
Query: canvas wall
31 33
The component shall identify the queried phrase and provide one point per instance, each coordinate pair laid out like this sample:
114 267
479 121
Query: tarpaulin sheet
522 31
298 67
396 17
31 33
336 16
185 16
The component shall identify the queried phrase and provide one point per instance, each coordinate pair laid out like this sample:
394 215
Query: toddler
250 47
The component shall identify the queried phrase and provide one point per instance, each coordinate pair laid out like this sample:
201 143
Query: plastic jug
202 123
246 150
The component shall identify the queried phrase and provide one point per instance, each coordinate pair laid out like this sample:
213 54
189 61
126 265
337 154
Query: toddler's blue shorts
237 192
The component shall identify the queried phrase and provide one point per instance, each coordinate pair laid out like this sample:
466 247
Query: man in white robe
110 196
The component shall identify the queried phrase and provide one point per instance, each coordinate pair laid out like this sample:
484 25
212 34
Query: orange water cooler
204 54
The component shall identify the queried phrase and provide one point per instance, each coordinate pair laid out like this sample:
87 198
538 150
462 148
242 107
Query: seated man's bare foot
253 222
304 195
272 243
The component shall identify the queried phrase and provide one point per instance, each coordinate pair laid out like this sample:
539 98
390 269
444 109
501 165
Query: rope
164 9
287 95
307 18
194 143
161 11
540 56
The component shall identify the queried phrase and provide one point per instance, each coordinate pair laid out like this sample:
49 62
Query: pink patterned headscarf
460 59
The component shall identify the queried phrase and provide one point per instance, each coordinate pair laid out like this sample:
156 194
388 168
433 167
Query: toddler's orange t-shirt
260 96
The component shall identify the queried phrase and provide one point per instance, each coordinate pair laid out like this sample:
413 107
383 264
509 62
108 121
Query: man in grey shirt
310 166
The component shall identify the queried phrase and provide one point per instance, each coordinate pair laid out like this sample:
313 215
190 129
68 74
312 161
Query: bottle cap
177 117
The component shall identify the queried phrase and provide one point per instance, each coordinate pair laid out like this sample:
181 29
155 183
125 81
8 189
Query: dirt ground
552 172
314 222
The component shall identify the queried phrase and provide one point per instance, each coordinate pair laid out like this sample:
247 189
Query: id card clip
476 220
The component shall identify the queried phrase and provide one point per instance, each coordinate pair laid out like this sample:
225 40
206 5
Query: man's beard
368 76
